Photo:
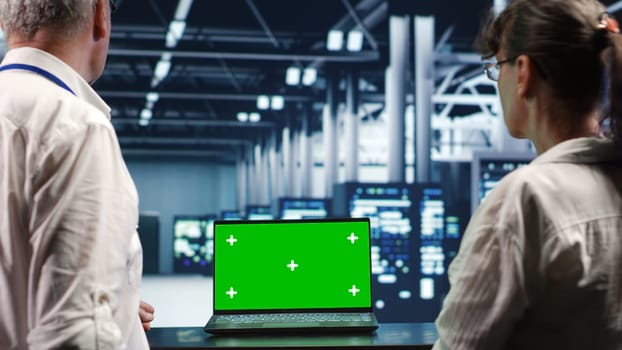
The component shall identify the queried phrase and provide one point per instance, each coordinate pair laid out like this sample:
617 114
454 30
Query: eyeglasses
492 69
113 6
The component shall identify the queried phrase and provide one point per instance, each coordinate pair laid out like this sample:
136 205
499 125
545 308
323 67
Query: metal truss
467 113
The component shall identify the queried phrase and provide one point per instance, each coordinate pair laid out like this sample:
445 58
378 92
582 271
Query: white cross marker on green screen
231 240
231 292
354 290
292 265
352 237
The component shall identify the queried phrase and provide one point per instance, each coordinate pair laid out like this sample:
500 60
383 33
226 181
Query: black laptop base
306 328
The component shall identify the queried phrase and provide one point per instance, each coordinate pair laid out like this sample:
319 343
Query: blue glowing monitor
488 168
413 241
259 212
231 215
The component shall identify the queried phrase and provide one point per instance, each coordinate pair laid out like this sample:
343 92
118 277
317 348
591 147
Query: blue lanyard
39 71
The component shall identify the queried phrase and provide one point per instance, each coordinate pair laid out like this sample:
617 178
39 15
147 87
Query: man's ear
525 76
101 27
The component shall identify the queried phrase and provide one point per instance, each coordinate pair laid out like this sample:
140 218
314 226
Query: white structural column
424 88
266 185
294 161
251 175
305 155
351 128
285 154
329 129
241 170
275 168
259 181
395 90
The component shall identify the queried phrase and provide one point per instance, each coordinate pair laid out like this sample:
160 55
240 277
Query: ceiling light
292 76
310 76
153 97
335 40
183 7
146 114
162 69
355 40
263 102
175 32
143 122
243 117
277 102
254 117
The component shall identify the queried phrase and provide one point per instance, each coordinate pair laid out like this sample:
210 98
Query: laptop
292 276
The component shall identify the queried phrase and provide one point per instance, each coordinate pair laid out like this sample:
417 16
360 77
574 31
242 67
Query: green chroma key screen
286 264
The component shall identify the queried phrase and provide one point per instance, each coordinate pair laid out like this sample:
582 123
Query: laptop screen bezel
289 310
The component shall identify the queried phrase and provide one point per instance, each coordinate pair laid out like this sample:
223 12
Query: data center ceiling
232 51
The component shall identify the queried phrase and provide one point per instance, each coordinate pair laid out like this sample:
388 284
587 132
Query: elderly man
70 257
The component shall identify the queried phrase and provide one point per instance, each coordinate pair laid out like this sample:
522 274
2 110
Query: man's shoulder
49 117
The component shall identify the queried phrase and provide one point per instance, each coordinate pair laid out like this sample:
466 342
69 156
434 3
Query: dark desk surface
387 336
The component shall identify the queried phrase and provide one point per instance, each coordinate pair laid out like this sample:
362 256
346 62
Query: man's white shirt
70 257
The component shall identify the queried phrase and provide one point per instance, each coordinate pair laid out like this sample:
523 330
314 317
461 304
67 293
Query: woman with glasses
540 264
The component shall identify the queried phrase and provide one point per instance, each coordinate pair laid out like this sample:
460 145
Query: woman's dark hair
569 48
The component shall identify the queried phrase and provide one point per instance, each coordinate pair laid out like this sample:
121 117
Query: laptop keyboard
297 317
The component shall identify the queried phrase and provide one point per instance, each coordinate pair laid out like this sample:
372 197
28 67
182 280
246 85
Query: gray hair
26 17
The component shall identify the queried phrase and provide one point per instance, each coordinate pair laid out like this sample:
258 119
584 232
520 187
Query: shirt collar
583 150
52 64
